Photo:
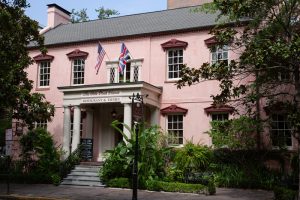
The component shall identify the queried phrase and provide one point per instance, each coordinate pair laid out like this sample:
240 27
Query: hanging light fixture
114 113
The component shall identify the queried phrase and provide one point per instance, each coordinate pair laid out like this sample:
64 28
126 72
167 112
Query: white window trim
270 132
211 54
39 74
72 70
115 65
44 123
166 125
217 113
167 57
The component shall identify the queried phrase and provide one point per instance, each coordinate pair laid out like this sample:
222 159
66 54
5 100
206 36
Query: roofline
135 35
143 13
125 37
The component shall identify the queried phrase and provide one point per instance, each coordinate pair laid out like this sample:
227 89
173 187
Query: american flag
124 57
101 54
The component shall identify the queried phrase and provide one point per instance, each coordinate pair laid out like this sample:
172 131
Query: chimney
57 15
186 3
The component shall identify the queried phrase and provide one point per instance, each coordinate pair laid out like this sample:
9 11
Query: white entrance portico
97 102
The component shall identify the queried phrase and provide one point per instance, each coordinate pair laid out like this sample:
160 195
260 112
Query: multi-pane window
135 74
78 71
112 75
175 63
219 53
41 124
219 116
44 73
175 129
281 131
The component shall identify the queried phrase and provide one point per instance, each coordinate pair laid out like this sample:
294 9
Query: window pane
280 130
175 132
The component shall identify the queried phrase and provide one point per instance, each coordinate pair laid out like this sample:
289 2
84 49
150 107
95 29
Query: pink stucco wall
154 69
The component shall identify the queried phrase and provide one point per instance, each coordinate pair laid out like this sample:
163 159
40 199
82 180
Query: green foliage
106 13
118 163
17 31
152 154
119 183
244 169
234 134
4 124
211 187
175 187
79 16
69 163
238 177
192 158
281 193
55 179
38 145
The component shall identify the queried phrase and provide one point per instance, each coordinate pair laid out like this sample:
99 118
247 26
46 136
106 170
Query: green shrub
211 187
192 159
152 156
55 179
119 183
38 144
175 187
234 134
281 193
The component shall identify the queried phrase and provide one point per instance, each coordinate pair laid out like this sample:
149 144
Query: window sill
172 81
176 145
289 148
42 89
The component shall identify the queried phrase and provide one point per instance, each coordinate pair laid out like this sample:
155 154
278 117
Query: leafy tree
38 144
16 32
81 15
106 13
267 70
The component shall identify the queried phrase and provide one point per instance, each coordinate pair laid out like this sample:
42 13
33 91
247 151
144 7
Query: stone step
93 164
86 169
82 178
82 183
84 173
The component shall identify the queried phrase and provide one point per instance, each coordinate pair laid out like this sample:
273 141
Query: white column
67 128
76 128
89 123
155 116
127 118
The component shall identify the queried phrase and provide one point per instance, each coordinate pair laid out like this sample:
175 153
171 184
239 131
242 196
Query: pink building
159 43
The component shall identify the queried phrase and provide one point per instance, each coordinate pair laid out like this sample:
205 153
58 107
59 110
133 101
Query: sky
38 8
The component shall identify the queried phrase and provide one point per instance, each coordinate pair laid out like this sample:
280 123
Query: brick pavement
47 192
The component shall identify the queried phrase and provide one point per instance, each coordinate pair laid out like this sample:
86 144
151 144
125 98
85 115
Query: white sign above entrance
100 93
101 100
